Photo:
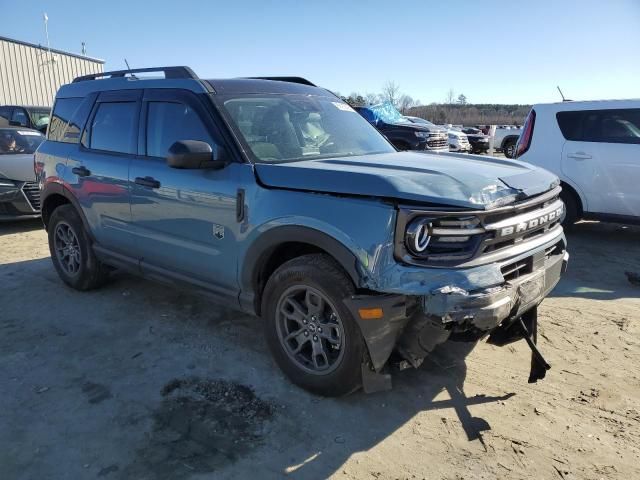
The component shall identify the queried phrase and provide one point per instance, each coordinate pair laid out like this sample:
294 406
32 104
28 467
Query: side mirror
15 123
194 154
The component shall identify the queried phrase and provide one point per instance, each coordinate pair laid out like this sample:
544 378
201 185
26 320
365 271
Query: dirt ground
138 381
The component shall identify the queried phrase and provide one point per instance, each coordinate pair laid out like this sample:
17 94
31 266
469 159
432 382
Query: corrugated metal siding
31 75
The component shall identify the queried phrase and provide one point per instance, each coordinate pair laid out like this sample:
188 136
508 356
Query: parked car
403 133
438 142
36 118
479 141
458 141
505 139
594 147
273 196
19 193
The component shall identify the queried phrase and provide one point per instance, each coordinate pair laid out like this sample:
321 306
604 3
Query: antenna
46 30
129 68
562 95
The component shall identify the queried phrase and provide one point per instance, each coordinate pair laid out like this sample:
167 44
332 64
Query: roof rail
169 72
300 80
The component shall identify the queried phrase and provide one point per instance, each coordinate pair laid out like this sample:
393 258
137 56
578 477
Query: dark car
36 118
478 140
19 193
402 132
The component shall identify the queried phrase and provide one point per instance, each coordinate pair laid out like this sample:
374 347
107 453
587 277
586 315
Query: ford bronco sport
275 197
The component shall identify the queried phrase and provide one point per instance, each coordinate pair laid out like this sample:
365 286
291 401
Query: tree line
454 109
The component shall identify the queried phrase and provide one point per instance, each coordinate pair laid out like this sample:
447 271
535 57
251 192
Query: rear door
100 167
184 220
602 157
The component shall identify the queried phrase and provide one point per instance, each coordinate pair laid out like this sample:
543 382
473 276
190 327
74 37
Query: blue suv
273 196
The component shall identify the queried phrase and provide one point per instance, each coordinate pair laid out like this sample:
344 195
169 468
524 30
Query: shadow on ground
614 248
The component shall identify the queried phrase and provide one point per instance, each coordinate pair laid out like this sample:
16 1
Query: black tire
402 146
572 212
321 273
90 272
509 148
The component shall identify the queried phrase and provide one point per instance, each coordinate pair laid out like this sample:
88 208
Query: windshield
387 113
280 128
14 142
40 118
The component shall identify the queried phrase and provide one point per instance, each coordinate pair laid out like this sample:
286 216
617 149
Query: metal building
31 74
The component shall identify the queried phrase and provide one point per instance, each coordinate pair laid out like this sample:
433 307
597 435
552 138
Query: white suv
594 147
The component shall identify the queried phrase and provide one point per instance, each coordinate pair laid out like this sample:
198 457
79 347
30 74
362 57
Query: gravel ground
138 380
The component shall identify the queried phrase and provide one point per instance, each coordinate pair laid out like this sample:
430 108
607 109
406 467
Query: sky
492 51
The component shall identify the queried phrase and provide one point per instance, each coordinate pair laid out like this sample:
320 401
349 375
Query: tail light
524 142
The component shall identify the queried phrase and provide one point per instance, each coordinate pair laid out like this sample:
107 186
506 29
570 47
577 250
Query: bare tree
371 98
391 92
405 102
451 97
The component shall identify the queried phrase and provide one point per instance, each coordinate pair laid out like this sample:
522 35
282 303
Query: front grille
32 193
514 270
459 237
437 140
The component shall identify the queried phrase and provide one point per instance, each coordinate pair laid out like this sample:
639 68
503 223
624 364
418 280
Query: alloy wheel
310 329
67 248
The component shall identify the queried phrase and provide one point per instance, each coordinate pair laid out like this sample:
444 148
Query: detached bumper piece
525 327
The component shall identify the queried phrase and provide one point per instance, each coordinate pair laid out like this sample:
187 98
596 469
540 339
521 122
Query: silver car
19 193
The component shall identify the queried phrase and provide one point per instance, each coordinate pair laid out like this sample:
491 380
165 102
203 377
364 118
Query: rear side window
113 127
169 122
603 126
62 112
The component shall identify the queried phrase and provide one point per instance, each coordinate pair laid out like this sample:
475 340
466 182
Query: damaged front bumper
412 326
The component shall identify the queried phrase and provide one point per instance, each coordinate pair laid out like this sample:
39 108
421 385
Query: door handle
579 155
147 182
81 171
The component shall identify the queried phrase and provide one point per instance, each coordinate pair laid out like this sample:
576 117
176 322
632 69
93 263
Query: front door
604 162
185 220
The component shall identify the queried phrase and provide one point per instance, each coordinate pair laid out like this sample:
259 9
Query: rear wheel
71 252
312 335
509 148
571 209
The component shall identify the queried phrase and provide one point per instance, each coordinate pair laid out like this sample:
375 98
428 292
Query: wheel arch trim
264 245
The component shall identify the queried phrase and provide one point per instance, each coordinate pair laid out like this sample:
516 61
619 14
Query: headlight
418 235
422 134
429 238
6 183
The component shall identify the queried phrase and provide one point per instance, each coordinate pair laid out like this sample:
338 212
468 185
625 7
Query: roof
219 86
61 52
232 86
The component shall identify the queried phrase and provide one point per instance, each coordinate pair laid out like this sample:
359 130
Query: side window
603 126
62 112
570 124
20 117
168 122
113 127
620 126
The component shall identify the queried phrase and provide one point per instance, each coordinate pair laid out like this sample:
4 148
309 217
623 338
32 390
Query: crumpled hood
456 180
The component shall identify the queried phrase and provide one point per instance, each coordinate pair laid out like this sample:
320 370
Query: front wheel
311 333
